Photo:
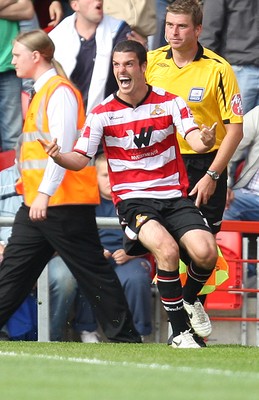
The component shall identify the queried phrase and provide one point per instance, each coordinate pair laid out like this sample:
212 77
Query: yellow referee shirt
208 85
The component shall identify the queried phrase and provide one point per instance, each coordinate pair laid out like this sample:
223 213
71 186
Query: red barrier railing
241 226
244 227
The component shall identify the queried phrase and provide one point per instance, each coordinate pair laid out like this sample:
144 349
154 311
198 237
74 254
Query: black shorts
196 166
178 216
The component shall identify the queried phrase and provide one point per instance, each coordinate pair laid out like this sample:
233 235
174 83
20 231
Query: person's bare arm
206 186
228 147
6 3
55 13
202 140
71 160
133 35
21 9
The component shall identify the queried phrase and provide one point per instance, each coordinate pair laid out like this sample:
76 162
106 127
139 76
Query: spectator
89 35
58 211
208 85
11 12
140 15
133 272
243 191
49 13
158 39
137 126
10 201
230 28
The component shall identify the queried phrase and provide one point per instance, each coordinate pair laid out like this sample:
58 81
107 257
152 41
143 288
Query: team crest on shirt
140 219
196 94
236 104
158 110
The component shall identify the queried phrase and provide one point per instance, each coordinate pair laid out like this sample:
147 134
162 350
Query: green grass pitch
107 371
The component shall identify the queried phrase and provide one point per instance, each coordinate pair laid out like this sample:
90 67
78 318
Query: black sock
170 289
196 278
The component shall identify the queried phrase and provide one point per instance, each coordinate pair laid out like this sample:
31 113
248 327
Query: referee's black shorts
197 165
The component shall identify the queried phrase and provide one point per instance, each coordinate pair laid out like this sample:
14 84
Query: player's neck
135 98
183 57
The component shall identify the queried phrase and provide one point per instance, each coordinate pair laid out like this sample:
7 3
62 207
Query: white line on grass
94 361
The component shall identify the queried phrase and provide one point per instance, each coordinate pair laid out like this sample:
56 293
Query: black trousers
71 231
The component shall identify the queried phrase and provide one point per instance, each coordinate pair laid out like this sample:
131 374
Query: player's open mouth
125 82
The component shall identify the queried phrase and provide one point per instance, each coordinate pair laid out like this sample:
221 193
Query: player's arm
206 186
202 140
228 147
71 160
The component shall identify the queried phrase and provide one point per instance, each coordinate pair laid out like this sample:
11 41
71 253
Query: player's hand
208 135
203 190
51 148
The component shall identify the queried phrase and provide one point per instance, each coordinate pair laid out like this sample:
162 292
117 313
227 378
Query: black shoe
199 340
4 336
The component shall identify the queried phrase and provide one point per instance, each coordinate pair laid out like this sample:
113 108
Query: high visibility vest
77 187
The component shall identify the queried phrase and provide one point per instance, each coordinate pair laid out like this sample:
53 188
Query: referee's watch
213 174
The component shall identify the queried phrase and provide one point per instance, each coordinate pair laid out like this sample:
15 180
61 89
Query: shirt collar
198 56
40 82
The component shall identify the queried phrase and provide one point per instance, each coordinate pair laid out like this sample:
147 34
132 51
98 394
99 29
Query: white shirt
62 115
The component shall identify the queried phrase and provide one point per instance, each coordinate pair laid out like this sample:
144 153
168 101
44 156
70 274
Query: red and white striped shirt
140 144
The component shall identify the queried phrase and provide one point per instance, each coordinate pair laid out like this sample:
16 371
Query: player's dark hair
131 46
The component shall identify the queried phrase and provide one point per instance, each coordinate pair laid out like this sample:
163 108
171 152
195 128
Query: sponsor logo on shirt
196 94
236 104
141 139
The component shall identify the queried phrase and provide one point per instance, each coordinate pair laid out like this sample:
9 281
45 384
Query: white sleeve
91 136
62 114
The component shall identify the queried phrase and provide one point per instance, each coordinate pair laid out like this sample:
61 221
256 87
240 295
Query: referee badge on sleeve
196 94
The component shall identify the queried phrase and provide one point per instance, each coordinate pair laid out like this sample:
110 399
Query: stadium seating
230 244
7 159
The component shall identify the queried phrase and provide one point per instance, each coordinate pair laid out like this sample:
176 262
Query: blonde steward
33 159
